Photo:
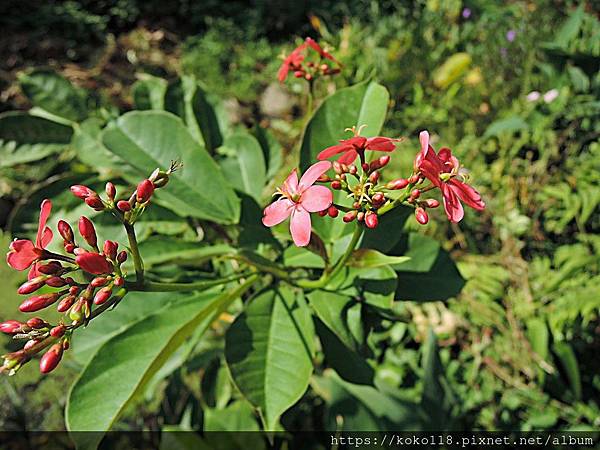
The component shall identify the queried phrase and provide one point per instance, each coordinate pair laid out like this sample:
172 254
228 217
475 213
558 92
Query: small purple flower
466 13
511 35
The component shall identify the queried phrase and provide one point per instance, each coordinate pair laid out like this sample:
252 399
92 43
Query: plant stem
328 275
135 253
151 286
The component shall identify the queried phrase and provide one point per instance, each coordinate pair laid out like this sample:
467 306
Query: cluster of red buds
363 183
83 282
296 62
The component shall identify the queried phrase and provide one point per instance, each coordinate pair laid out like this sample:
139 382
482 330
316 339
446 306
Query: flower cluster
363 184
298 63
83 281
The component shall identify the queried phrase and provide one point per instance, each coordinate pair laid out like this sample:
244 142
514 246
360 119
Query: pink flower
23 253
356 146
298 200
442 169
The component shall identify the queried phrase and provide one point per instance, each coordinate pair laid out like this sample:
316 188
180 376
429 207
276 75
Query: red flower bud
374 177
36 323
123 205
65 231
352 169
384 160
122 257
94 263
337 185
99 282
74 290
110 249
32 285
102 295
58 331
81 191
65 344
322 213
51 358
30 343
65 303
399 183
70 248
119 281
51 268
349 216
414 178
421 216
415 193
378 198
38 302
11 327
95 202
87 231
144 191
371 220
56 282
337 167
110 190
365 167
332 211
432 203
360 216
298 74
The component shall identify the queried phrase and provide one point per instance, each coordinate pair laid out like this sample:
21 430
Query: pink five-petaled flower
23 253
442 169
298 200
356 146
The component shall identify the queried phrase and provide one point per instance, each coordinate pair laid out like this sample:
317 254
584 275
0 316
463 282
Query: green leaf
200 111
160 249
25 138
565 354
332 309
238 416
269 350
441 281
24 128
151 139
53 93
509 125
437 399
364 258
90 150
389 231
539 336
347 363
272 149
362 104
451 70
244 163
132 357
149 93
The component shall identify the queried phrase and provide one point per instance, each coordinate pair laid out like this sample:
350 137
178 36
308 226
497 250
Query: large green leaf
362 104
565 354
244 163
365 258
53 93
389 231
128 360
150 139
269 351
149 93
25 138
159 249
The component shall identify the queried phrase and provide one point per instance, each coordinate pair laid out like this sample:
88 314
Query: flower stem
151 286
135 253
328 275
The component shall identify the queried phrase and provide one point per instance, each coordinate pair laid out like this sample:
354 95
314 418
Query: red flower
442 169
94 263
23 253
356 146
295 59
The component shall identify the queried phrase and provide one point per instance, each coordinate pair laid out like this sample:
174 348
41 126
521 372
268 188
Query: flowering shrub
335 279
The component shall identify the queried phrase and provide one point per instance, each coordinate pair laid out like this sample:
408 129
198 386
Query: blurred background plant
512 87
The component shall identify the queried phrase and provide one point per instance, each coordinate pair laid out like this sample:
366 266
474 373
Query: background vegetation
519 345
